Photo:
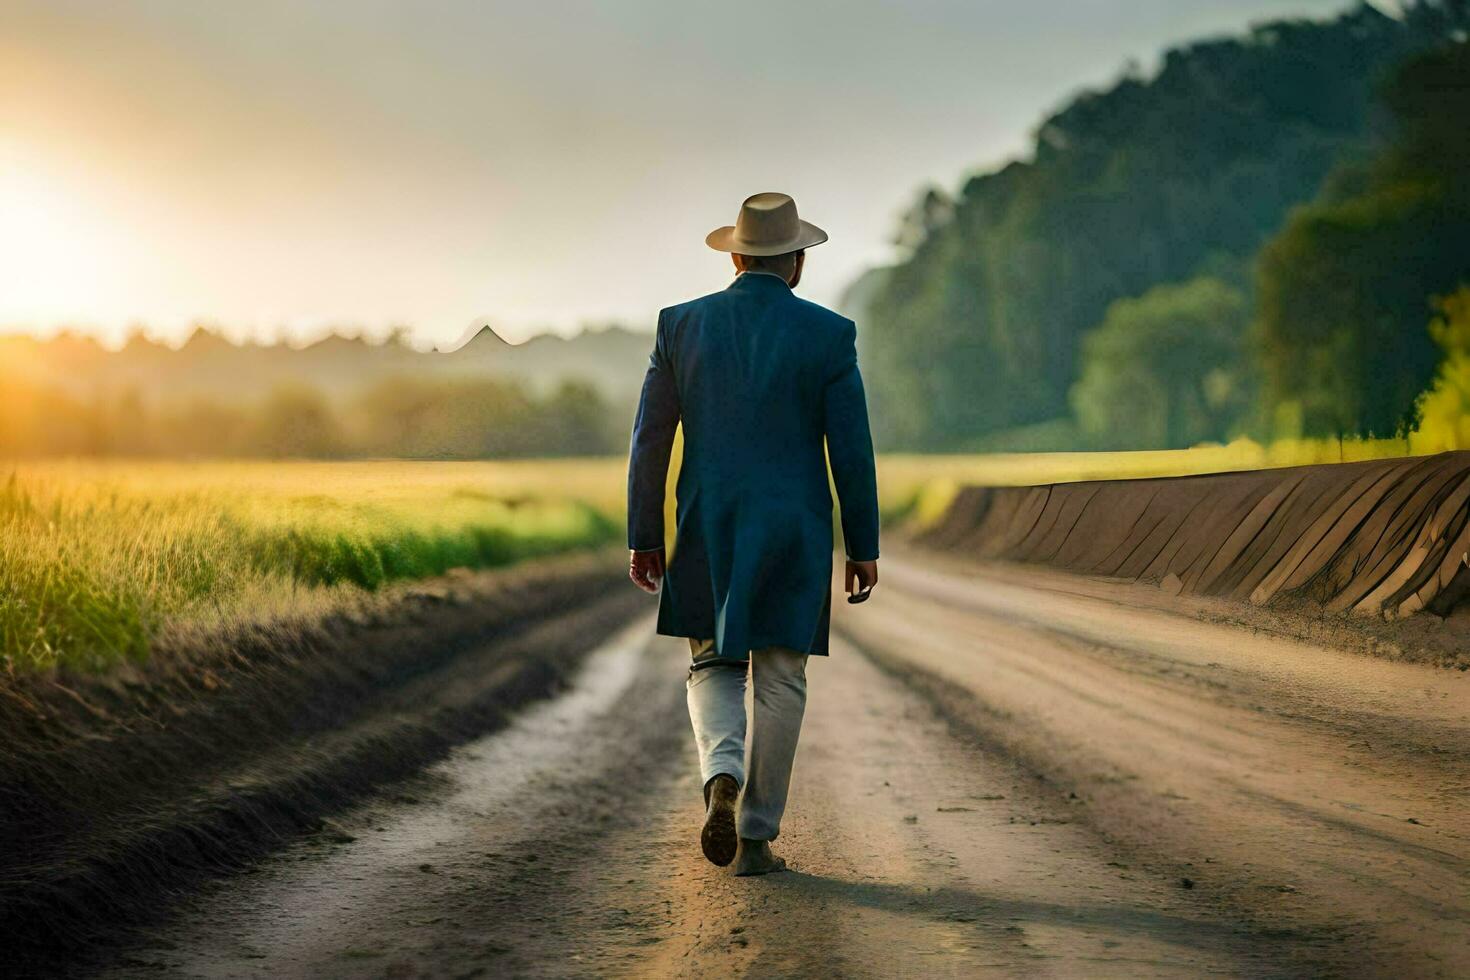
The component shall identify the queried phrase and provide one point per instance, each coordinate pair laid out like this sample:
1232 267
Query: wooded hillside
1177 180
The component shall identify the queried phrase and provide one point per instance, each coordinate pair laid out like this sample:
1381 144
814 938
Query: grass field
96 557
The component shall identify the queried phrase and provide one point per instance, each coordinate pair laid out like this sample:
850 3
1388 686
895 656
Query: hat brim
725 240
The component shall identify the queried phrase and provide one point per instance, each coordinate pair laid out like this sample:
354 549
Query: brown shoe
718 838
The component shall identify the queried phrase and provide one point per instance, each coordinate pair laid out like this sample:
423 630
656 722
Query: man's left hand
646 569
861 577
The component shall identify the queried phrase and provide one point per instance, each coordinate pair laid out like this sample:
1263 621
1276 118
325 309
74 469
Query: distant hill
612 359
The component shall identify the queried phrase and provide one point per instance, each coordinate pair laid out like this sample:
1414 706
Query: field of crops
96 557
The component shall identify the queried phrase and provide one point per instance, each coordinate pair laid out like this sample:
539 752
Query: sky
280 167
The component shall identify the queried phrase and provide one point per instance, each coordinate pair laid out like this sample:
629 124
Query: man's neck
764 272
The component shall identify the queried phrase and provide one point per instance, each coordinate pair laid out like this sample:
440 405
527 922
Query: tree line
1253 241
408 417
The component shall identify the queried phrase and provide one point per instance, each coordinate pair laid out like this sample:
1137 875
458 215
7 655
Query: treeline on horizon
402 417
1255 241
341 396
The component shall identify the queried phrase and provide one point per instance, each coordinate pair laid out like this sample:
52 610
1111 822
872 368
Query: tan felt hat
768 225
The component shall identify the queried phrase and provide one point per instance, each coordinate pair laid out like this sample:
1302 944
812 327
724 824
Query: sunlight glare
54 248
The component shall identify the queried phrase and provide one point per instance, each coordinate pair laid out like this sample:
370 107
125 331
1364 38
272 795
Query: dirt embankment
1385 539
115 787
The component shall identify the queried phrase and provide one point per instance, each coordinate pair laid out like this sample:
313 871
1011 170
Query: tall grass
95 558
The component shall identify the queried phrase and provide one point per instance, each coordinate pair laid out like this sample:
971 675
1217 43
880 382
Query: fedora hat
768 225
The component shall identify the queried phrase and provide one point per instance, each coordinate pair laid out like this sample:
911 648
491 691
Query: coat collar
757 279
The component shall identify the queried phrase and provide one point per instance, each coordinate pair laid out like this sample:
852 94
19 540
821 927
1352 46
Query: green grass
96 558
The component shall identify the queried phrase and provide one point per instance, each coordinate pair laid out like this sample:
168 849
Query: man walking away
760 379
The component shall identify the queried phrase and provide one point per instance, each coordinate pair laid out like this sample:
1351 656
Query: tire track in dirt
463 872
1260 768
567 845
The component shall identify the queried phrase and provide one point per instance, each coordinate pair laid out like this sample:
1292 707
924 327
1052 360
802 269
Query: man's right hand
646 569
861 576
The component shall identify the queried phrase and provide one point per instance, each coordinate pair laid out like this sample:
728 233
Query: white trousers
717 711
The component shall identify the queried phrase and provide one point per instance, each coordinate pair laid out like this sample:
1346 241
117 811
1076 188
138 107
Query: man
758 378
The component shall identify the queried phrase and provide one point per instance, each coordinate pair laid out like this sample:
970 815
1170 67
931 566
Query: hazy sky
537 164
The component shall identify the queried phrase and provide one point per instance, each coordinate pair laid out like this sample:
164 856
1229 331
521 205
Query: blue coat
758 378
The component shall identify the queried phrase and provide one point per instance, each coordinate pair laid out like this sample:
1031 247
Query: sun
51 246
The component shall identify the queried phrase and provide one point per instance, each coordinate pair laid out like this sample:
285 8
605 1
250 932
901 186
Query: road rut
1001 773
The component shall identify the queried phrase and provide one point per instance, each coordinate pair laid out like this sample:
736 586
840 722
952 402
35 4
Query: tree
1444 410
297 421
1166 370
929 212
203 427
1347 284
576 422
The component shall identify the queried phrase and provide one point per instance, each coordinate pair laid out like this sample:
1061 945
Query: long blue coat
758 378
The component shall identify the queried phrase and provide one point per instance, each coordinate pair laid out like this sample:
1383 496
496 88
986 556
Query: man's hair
783 265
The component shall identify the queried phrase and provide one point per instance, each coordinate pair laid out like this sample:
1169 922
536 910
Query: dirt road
1003 772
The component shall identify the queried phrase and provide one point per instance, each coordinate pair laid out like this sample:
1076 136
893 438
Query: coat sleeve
850 449
653 441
